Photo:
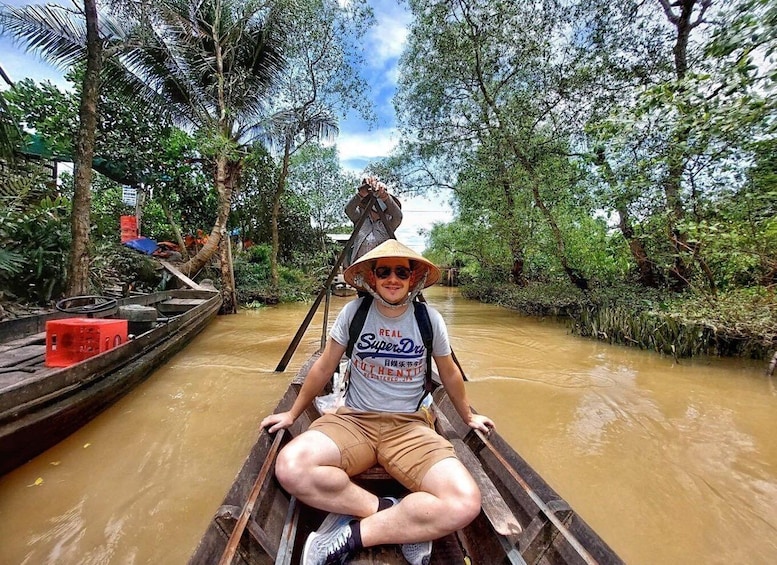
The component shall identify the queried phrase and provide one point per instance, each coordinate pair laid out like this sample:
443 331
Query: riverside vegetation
615 163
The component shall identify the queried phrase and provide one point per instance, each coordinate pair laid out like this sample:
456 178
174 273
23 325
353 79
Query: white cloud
421 213
388 37
366 144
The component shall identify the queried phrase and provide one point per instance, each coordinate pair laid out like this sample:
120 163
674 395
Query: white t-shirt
388 364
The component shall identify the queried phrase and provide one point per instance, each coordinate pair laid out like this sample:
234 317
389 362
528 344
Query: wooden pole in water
772 365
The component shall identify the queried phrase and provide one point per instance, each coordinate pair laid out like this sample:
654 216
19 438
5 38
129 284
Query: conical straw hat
391 248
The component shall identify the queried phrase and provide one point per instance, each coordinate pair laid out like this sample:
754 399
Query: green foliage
740 322
46 110
35 239
254 284
115 263
10 134
559 298
11 264
259 254
317 177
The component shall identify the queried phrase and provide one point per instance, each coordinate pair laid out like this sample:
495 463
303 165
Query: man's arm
453 381
316 379
394 211
352 208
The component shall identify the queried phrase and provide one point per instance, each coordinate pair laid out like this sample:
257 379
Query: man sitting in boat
386 420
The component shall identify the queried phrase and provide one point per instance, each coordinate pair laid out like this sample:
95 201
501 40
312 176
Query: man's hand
378 188
481 423
275 422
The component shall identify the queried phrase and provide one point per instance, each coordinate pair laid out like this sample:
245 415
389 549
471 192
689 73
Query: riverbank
742 323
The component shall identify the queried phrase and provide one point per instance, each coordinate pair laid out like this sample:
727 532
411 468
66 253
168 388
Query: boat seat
374 473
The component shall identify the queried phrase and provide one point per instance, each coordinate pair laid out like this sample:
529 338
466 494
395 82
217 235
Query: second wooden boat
41 405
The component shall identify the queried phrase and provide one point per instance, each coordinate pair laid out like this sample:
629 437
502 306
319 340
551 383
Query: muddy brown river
671 462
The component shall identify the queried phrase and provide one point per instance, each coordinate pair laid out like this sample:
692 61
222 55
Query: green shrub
36 241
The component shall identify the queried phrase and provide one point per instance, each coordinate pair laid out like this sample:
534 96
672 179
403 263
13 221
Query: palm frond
209 70
11 264
10 134
57 34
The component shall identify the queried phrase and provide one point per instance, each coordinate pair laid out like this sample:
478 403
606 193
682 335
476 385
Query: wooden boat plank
178 305
261 485
35 339
493 504
289 535
180 276
10 378
21 354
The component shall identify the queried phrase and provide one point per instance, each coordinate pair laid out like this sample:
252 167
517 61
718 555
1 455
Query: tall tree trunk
514 241
224 190
684 23
228 294
576 277
276 211
647 274
80 221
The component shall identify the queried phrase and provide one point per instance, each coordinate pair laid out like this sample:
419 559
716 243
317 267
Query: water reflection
670 462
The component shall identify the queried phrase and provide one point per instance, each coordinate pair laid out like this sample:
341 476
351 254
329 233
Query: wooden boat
41 405
340 287
523 520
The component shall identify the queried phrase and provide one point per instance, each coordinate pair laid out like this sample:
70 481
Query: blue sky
358 143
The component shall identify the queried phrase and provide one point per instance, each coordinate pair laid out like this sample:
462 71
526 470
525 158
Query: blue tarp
142 244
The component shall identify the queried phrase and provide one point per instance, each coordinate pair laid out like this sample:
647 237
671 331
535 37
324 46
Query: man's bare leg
308 468
448 501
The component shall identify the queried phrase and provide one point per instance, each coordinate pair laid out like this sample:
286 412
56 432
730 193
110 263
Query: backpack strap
427 335
357 323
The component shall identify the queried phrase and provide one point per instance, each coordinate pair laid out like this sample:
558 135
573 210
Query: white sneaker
417 553
331 543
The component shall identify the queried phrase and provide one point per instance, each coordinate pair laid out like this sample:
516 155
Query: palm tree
61 37
208 63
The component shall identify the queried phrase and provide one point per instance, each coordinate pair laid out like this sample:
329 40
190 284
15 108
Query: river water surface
670 462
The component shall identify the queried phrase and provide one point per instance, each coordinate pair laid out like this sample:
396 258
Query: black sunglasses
401 272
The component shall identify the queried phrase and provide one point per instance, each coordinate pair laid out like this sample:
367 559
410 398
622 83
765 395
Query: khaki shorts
406 445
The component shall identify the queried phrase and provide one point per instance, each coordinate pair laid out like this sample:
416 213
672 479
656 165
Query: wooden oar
571 539
245 515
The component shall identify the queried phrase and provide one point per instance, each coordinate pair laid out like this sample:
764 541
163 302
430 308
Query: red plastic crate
129 222
72 340
127 235
129 228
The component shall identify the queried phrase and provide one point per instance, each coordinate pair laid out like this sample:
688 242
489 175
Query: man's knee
457 490
284 465
466 501
291 467
297 460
